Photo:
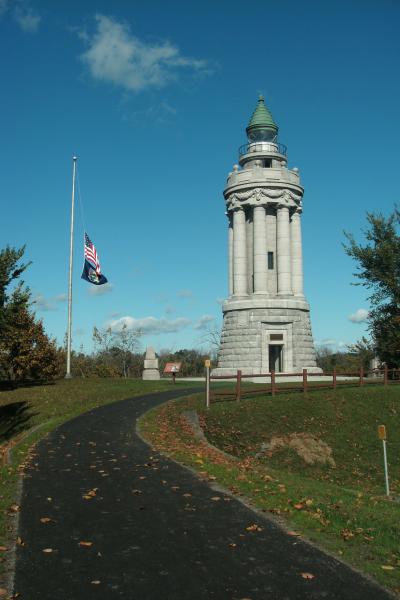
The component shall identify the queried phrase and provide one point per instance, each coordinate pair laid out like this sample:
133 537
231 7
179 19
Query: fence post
238 385
273 387
385 375
361 382
305 381
334 379
207 386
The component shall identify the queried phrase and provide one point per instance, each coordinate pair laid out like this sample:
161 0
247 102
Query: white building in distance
266 316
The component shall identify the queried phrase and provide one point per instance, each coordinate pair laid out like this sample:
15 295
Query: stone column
297 254
230 255
271 247
283 251
239 253
249 251
260 250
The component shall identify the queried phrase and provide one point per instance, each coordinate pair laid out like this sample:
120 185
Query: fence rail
356 378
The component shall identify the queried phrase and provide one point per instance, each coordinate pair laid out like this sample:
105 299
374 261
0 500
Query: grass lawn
27 414
339 505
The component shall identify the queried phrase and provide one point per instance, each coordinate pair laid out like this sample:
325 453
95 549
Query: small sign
172 367
207 363
382 432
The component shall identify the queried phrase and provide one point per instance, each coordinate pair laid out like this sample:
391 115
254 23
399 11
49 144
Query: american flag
91 254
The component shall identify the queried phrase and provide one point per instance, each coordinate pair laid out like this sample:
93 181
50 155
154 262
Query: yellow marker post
207 364
382 436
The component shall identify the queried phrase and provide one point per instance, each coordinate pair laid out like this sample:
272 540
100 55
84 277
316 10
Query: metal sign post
382 436
207 364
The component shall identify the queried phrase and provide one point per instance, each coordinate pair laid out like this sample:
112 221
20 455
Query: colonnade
252 232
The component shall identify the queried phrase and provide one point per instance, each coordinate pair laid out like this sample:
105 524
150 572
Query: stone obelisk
150 372
266 316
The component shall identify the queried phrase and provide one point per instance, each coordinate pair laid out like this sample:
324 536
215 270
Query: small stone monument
150 372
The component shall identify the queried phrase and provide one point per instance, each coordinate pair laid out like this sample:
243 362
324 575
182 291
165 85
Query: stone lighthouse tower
266 316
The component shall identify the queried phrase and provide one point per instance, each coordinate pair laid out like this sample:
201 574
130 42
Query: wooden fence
383 376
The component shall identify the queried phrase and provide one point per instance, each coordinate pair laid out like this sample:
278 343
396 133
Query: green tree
26 352
11 268
378 269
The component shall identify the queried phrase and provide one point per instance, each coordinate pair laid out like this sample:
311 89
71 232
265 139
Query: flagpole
71 255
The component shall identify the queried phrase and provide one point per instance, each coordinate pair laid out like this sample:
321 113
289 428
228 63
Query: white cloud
185 294
100 290
26 18
116 56
332 344
169 310
45 304
203 322
42 303
360 316
150 324
20 11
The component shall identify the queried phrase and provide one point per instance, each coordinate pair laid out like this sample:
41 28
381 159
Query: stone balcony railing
261 147
260 174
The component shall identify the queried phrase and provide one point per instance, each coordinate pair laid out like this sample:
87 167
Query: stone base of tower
264 334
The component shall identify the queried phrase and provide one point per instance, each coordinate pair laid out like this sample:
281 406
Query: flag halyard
91 268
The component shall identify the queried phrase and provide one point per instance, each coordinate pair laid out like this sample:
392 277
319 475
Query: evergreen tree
26 352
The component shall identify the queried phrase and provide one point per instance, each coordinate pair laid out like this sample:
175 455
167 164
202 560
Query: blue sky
154 99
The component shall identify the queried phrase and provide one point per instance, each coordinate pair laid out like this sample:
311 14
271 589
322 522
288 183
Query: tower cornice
262 196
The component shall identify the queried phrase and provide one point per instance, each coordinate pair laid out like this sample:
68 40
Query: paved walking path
153 530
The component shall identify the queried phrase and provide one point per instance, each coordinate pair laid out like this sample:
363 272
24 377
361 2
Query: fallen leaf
232 545
187 495
294 533
85 544
47 550
298 506
3 548
346 534
253 527
215 498
45 520
387 567
307 575
20 542
15 507
95 582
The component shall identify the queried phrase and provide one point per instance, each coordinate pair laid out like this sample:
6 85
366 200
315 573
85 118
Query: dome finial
262 125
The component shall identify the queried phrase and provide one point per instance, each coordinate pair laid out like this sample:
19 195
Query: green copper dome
262 126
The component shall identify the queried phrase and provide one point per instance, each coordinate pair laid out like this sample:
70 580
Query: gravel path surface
103 516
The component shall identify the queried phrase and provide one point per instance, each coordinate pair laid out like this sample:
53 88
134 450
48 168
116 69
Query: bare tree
210 340
117 345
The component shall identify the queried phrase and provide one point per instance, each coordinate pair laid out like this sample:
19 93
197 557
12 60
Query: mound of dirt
308 447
